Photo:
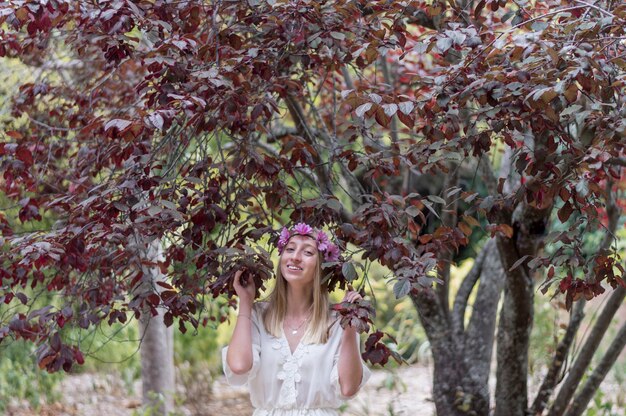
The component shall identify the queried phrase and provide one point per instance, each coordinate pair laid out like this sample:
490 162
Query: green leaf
334 204
406 107
362 109
443 44
518 262
538 26
571 109
401 288
430 208
437 199
412 210
348 271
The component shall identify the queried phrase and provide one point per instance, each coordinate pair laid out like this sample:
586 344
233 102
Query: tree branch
613 213
467 285
448 219
586 353
303 128
347 78
478 338
389 81
582 399
488 176
560 355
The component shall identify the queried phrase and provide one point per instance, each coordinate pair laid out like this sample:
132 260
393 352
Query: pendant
294 331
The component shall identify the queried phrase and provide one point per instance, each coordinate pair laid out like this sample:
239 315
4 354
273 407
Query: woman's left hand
352 296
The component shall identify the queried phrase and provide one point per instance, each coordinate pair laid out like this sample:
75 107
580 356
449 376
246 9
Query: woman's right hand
245 293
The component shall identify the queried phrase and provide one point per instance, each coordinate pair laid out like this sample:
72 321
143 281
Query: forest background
468 156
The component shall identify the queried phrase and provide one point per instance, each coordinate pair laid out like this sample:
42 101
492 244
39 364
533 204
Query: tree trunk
479 337
516 319
462 358
157 343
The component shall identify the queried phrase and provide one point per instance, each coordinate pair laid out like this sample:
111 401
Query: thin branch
389 81
560 355
582 399
512 29
448 219
303 127
593 6
559 359
488 176
586 353
347 78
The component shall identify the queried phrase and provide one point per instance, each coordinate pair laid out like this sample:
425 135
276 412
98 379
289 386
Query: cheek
311 262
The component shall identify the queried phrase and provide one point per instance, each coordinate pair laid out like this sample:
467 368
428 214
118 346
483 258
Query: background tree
205 125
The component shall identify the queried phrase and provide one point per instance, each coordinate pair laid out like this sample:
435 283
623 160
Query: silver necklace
295 330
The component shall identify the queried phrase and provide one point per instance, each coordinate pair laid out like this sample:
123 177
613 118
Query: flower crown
324 245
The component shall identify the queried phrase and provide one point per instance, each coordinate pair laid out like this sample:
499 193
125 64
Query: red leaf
407 120
25 155
565 212
15 134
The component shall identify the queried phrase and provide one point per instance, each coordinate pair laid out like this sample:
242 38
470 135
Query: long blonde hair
318 326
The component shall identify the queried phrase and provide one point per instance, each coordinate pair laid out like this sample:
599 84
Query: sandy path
404 392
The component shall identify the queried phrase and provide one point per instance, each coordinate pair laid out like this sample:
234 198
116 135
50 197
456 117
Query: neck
299 300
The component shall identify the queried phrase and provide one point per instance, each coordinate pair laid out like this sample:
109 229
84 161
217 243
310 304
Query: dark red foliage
205 126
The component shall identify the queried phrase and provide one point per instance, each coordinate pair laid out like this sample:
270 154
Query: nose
296 256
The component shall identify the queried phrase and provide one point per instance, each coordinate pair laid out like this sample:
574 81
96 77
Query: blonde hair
318 326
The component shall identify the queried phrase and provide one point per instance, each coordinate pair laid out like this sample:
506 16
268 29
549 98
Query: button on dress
282 383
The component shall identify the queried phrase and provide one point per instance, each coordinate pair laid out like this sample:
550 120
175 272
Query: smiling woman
291 350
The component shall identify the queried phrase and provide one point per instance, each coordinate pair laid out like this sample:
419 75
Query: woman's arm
349 366
239 355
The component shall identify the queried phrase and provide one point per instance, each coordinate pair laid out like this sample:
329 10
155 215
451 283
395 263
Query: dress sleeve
334 374
241 379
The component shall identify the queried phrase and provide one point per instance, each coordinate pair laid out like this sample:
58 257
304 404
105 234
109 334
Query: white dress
305 383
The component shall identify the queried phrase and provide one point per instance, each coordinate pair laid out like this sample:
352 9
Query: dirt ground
403 392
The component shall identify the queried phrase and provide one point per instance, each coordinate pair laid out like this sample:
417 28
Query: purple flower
332 253
302 229
326 247
283 239
322 241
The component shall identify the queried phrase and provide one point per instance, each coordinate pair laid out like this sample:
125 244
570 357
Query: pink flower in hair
332 253
283 239
302 229
322 241
326 247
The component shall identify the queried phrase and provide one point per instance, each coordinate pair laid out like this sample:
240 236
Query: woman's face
299 260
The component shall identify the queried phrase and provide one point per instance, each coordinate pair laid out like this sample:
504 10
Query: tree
207 124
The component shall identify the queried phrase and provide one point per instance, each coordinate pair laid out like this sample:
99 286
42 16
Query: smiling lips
292 267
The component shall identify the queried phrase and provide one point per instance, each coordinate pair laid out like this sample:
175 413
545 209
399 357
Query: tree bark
463 294
586 353
582 399
479 337
157 342
455 392
516 317
551 379
462 360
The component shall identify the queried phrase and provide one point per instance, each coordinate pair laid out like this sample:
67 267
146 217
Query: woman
291 350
